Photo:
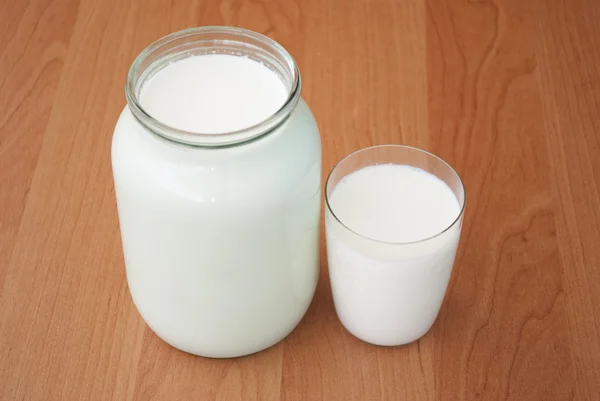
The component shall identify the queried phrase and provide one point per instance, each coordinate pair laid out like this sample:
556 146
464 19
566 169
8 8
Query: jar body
221 244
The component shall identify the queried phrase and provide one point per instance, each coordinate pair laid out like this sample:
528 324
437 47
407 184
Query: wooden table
508 91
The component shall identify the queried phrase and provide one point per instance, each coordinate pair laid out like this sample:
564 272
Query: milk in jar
217 166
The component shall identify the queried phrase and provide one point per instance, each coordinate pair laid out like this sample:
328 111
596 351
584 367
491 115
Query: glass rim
213 139
456 220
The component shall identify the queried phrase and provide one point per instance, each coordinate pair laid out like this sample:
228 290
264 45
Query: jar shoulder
278 161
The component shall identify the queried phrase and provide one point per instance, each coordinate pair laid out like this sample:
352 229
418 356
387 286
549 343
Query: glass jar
220 231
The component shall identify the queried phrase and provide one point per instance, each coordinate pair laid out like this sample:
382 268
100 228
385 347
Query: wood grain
507 91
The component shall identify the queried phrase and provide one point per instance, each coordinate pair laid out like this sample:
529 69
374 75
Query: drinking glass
390 293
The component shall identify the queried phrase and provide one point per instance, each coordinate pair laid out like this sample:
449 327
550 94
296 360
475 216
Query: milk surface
390 292
394 203
221 245
213 93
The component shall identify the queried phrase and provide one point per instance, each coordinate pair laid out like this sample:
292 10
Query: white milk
388 287
221 245
213 94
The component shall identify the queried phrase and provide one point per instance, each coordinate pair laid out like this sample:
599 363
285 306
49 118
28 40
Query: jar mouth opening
212 40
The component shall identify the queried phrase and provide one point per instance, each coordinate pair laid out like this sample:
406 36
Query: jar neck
212 40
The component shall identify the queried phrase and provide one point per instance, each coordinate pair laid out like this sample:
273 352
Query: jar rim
222 37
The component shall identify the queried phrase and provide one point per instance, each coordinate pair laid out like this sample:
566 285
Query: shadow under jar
220 231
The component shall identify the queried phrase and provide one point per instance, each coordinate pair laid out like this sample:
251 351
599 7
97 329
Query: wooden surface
508 91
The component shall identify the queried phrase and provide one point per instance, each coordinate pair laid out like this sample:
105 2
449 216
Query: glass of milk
393 221
217 169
